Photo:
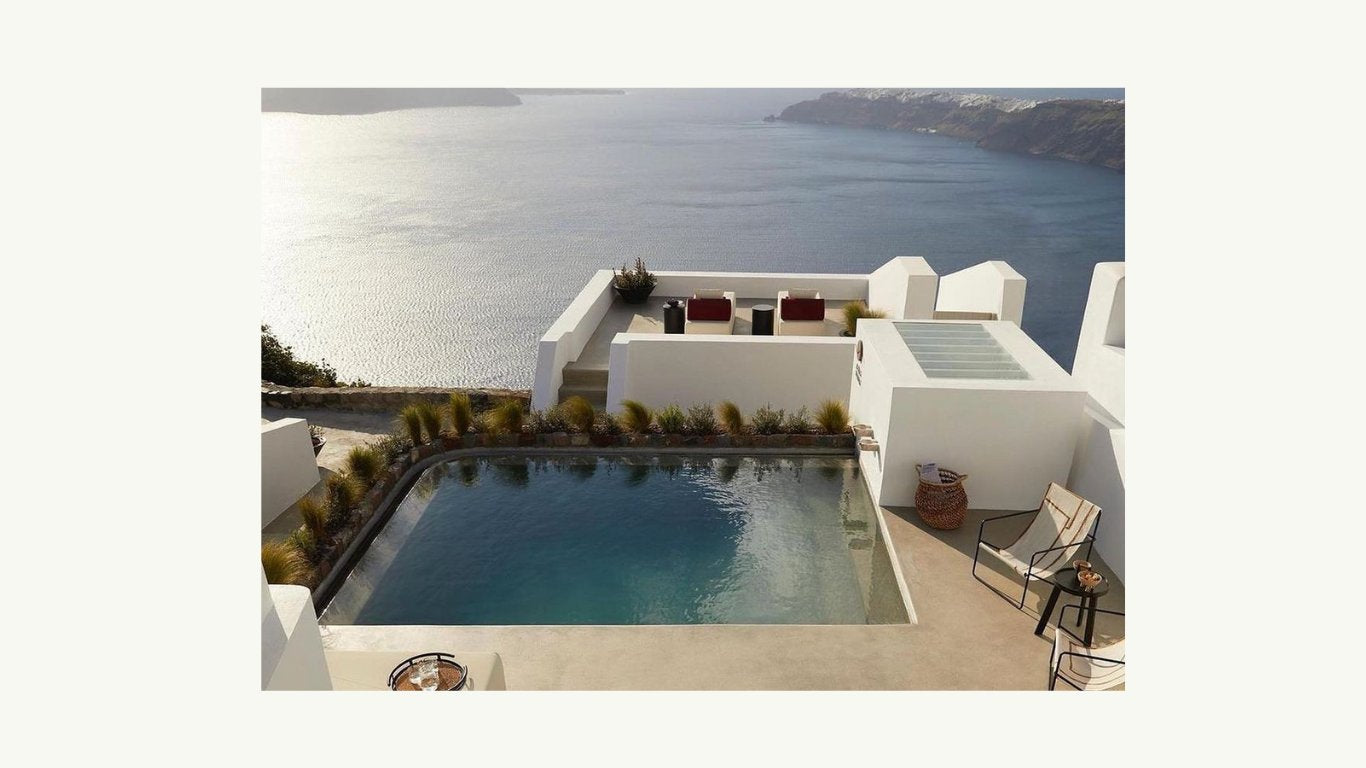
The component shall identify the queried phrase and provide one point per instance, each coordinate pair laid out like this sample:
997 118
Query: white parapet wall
763 285
288 467
904 288
1012 437
564 341
291 644
785 372
1098 466
992 286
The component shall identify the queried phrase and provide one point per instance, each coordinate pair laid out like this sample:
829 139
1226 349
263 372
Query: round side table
1066 581
673 317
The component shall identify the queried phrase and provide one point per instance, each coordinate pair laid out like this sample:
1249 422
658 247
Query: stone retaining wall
379 399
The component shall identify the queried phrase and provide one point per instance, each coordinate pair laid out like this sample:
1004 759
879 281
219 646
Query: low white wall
291 645
763 285
992 286
288 467
1098 476
564 341
904 288
786 372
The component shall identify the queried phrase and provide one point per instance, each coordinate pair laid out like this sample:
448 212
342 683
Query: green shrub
279 365
605 423
341 497
412 421
855 311
798 422
303 540
670 419
462 413
579 413
635 417
431 420
365 464
283 562
506 417
551 419
391 446
767 420
731 419
701 420
832 417
315 516
480 423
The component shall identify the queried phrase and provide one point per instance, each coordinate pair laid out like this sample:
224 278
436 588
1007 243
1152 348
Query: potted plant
634 284
315 434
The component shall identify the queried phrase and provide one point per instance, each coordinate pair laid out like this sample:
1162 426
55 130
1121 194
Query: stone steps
597 396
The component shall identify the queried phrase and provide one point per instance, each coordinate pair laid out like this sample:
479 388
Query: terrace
949 376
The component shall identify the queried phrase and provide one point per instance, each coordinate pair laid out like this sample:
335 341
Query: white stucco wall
288 467
763 285
291 645
992 286
1098 465
1012 437
785 371
1097 474
564 341
904 288
1099 362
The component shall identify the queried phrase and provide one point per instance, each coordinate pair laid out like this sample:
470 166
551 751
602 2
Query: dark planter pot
635 295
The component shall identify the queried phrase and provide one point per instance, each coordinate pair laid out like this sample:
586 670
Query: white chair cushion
1088 674
709 293
804 293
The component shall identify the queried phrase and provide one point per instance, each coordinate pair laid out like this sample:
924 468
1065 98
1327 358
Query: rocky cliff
1081 130
363 101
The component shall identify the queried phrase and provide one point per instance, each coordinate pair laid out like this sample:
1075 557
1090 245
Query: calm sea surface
435 246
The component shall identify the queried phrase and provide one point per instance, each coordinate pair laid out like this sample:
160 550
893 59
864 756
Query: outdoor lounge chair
1062 525
1082 667
800 313
710 311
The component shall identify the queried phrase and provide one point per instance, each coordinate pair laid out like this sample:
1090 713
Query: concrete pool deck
967 637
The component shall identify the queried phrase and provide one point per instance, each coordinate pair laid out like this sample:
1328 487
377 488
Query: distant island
1082 130
364 101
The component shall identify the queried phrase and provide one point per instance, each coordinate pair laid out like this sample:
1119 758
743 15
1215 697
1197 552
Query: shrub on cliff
279 365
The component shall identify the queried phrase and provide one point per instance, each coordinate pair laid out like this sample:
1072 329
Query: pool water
626 540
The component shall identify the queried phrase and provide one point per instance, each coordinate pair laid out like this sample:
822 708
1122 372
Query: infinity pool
627 540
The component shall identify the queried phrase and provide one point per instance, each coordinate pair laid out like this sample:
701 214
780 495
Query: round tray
453 675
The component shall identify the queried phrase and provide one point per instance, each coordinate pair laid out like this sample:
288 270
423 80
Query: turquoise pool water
627 540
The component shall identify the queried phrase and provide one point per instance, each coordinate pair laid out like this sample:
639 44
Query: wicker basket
943 506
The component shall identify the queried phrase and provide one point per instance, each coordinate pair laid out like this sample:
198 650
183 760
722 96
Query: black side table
762 321
1066 581
673 316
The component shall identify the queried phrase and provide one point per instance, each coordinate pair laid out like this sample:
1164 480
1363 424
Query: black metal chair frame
1054 674
1088 541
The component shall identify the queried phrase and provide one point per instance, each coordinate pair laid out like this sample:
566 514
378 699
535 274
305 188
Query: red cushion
709 309
803 309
